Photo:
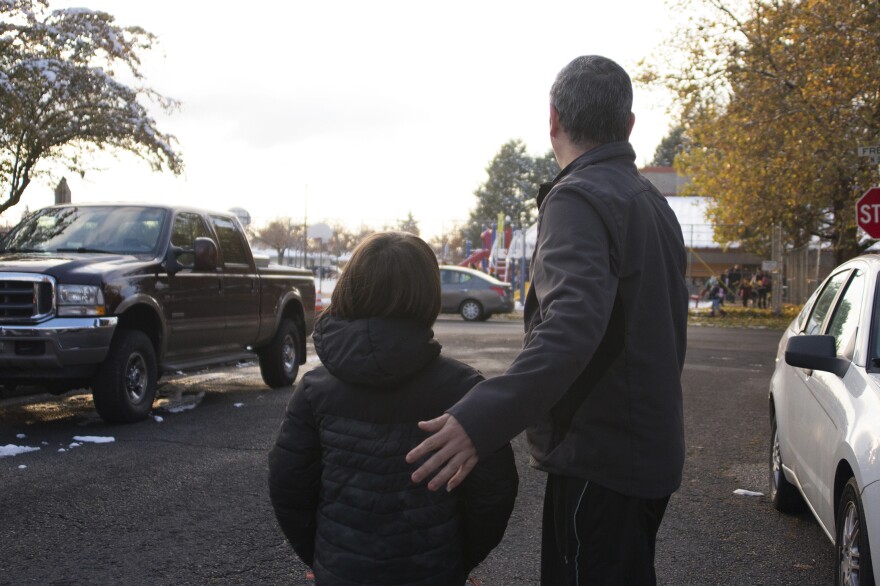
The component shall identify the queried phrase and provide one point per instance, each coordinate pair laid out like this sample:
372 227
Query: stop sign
868 212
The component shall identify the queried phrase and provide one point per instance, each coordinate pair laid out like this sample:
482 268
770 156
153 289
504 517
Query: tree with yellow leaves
775 98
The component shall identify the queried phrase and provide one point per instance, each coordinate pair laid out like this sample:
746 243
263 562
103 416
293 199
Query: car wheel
471 310
125 385
853 560
279 360
783 494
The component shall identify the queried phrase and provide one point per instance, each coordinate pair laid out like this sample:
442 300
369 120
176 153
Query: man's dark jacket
598 382
338 478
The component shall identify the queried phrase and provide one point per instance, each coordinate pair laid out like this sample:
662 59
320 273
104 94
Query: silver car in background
473 294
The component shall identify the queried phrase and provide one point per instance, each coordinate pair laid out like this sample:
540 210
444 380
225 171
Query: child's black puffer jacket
338 478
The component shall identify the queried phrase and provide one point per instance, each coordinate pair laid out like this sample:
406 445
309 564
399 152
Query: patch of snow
186 407
238 405
158 418
61 450
22 466
20 436
94 439
743 492
74 445
13 450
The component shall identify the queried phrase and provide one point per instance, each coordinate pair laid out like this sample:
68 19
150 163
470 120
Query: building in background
706 257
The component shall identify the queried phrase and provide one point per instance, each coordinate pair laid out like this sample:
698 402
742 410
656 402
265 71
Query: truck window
89 229
187 227
233 248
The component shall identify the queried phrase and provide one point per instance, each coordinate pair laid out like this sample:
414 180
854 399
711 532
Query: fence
804 269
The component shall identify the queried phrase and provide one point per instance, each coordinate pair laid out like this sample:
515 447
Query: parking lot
181 498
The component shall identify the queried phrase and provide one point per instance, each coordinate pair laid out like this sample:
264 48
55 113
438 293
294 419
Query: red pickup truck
111 296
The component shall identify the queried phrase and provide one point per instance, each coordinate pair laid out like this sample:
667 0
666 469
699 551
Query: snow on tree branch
61 100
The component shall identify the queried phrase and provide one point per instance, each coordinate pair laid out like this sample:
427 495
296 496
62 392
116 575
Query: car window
806 309
823 303
845 321
454 277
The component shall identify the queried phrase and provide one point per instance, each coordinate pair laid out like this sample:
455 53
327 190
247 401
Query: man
598 382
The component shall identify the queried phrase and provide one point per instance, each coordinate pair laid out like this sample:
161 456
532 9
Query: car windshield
100 229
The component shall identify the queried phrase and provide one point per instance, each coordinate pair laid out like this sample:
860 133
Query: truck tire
125 385
279 359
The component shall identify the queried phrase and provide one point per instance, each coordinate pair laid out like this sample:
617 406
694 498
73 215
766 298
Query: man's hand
455 455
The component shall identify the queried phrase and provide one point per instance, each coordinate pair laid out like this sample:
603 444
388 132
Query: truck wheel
125 384
279 360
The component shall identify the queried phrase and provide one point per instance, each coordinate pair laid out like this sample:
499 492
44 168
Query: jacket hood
376 351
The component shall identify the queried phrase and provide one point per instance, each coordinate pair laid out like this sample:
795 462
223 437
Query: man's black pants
593 535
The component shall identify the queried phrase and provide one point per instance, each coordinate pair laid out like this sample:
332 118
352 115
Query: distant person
745 290
767 282
598 382
734 280
338 479
760 290
716 296
486 238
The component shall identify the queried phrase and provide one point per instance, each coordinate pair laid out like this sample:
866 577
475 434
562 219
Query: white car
825 416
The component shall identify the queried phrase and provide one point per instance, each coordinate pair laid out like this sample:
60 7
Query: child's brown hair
390 274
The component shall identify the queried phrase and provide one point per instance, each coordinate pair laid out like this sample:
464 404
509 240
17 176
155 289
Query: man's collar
602 152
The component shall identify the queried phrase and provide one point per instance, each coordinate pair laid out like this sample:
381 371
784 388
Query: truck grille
26 298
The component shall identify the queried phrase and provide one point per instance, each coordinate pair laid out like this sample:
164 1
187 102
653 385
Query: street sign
871 152
868 212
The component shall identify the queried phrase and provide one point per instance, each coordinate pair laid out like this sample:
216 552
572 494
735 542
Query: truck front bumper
58 348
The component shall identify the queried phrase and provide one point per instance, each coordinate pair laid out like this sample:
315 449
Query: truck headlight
79 300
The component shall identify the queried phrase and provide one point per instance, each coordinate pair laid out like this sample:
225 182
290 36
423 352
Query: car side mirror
815 353
205 254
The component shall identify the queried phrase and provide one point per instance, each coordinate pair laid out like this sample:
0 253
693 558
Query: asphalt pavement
181 498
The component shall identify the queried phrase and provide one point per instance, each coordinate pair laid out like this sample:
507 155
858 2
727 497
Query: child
717 296
338 478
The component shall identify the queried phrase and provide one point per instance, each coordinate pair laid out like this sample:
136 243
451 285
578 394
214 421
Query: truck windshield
101 229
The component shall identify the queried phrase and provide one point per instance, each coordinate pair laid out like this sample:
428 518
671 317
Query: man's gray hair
593 97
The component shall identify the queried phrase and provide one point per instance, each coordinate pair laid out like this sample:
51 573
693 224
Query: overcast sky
360 112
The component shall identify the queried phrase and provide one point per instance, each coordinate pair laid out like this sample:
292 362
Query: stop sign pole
868 212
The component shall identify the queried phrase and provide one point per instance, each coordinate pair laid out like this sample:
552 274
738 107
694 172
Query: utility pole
306 227
776 250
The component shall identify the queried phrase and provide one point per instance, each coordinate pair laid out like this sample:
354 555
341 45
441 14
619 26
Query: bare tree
280 235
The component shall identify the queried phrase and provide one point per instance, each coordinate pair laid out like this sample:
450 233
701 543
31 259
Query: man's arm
575 286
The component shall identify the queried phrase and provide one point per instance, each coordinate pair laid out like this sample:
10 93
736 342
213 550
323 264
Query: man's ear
555 125
629 126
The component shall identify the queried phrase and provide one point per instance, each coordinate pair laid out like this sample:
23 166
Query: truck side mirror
172 266
205 253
